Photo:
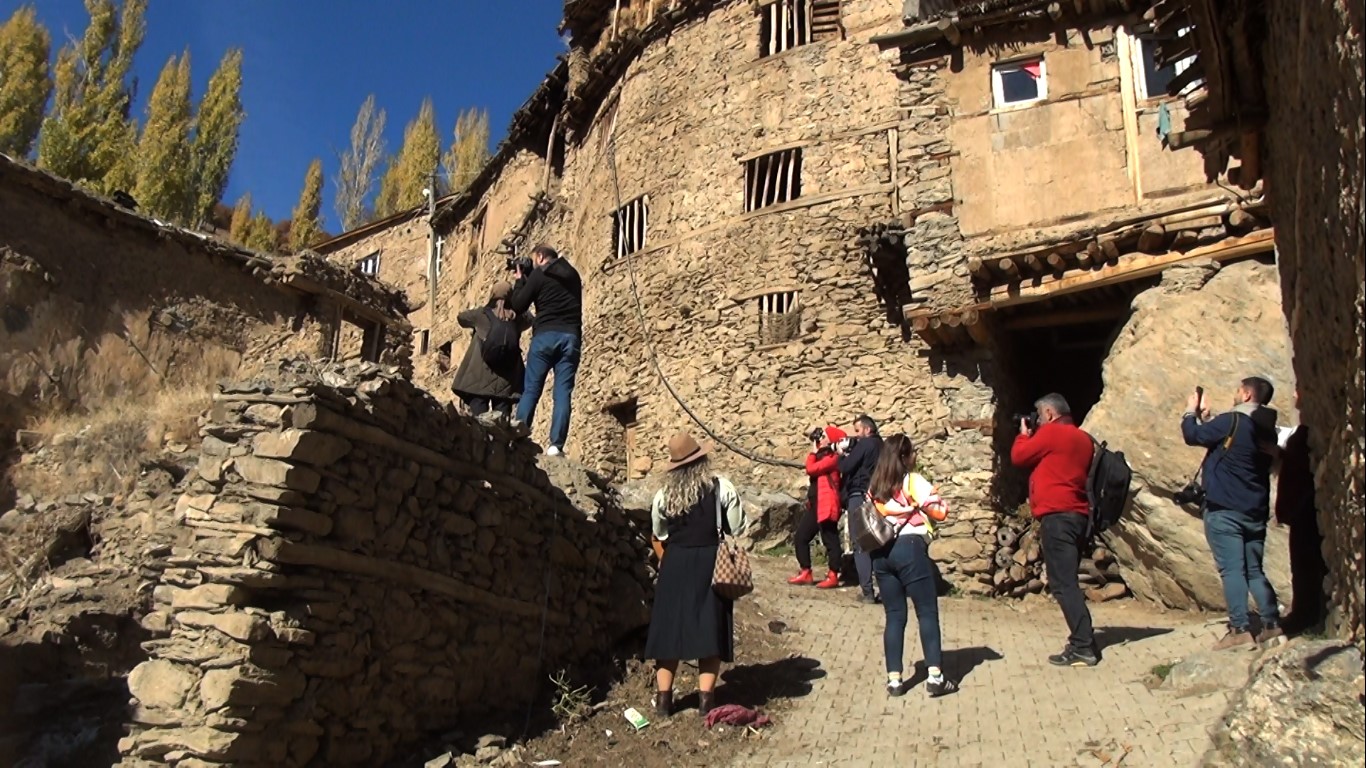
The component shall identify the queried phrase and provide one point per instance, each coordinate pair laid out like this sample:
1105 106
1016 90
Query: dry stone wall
368 566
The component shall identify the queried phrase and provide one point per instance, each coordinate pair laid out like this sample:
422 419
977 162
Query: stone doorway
626 415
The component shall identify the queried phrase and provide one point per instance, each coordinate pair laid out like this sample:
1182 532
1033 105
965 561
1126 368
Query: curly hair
685 486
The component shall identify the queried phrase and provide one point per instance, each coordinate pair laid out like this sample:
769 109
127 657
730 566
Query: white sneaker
554 450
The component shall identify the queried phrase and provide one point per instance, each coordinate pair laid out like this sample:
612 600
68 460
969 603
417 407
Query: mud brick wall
366 567
1315 140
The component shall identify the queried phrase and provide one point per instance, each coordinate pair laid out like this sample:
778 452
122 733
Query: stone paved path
1013 708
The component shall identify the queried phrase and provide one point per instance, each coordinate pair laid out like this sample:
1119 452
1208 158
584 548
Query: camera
1031 421
1193 494
816 435
523 263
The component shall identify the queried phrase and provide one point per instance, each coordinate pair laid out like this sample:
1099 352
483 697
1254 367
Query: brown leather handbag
732 578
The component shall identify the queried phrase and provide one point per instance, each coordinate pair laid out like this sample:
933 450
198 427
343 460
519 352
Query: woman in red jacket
822 509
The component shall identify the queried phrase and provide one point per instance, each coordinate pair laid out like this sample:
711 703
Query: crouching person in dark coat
489 380
688 619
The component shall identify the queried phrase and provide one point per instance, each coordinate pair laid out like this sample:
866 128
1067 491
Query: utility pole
431 248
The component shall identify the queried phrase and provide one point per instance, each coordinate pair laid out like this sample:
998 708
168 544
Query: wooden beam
1110 248
978 329
1240 221
1250 152
1056 261
1132 268
1009 267
1033 263
1089 256
978 268
949 30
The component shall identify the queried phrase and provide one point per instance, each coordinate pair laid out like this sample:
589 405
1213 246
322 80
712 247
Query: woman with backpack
903 567
489 380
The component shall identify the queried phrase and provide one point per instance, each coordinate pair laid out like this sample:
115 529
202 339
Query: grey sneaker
1071 657
896 689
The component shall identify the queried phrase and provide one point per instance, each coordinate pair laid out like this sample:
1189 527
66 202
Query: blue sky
308 65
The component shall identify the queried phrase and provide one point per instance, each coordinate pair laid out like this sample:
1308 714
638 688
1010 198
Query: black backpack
1107 487
500 347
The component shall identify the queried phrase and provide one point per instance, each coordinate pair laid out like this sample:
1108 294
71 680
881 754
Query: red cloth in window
1033 68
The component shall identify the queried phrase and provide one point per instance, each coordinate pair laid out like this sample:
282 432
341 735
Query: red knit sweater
1060 455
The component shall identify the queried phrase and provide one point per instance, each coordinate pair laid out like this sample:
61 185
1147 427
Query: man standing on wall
858 456
1237 476
1059 455
554 287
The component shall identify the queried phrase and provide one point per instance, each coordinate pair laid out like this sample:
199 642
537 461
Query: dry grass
102 404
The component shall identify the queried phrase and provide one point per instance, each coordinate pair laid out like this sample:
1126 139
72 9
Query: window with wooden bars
786 24
629 226
780 316
476 237
607 124
773 178
369 266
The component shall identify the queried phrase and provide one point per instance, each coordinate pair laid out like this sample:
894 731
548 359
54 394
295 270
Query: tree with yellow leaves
305 225
469 151
241 220
163 186
410 171
216 129
25 82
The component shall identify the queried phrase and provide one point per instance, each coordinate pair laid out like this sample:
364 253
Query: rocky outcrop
367 566
1303 707
1210 329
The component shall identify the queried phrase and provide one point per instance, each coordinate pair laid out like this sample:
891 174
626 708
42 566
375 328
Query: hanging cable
650 347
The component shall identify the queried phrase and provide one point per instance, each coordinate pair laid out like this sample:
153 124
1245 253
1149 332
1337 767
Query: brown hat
684 450
500 291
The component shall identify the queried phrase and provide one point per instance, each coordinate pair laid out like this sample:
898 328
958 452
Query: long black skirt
688 619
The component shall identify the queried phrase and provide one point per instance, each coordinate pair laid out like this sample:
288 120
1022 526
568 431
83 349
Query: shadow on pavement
958 663
755 685
1108 636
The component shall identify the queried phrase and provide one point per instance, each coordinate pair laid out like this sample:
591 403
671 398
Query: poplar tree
469 151
25 83
216 129
163 186
305 226
260 233
241 220
356 174
87 136
411 169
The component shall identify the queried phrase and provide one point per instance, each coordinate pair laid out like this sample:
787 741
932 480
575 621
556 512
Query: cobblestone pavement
1014 708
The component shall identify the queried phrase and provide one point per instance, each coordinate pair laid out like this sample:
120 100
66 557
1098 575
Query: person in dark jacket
858 456
822 512
1058 455
487 392
1237 476
556 290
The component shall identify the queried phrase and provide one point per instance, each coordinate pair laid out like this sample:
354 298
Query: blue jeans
1237 540
557 351
904 570
863 562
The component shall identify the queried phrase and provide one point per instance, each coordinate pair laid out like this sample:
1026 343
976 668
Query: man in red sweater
1060 456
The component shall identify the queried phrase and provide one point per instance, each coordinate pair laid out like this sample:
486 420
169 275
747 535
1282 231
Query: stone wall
367 567
1315 142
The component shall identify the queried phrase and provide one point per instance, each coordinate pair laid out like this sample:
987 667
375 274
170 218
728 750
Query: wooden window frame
630 227
773 178
998 102
780 316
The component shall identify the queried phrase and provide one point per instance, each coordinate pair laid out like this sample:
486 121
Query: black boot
664 703
706 702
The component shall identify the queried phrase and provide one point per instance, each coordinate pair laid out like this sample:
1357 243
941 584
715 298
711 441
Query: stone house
791 212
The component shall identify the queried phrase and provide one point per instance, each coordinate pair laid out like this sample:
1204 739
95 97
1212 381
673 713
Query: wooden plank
1128 99
1068 316
1132 268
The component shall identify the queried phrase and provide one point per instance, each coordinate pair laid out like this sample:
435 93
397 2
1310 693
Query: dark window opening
773 178
780 317
629 226
476 237
626 414
424 338
443 357
785 24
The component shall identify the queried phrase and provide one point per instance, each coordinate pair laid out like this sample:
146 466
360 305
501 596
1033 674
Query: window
1019 82
440 257
443 357
607 124
1153 79
476 236
786 24
773 178
629 225
370 265
424 338
780 317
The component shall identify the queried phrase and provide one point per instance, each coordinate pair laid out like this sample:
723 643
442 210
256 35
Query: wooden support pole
1033 263
1089 256
1009 267
1056 261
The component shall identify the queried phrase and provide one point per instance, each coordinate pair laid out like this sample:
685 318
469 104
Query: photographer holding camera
822 513
554 287
857 457
1240 447
1059 455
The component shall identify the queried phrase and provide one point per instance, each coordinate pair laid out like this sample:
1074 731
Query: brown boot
706 702
1236 638
664 703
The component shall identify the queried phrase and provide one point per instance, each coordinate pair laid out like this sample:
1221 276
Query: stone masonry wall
1315 142
367 567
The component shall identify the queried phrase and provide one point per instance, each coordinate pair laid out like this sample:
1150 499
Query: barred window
786 24
629 226
369 265
780 317
773 178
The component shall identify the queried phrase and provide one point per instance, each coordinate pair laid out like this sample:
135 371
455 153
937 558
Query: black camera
1192 495
816 435
1031 421
523 263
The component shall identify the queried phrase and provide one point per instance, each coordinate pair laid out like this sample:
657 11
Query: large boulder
1201 326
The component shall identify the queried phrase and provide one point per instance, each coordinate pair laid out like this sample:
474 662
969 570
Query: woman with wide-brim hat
689 620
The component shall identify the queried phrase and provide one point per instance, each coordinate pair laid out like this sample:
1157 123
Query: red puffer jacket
823 471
